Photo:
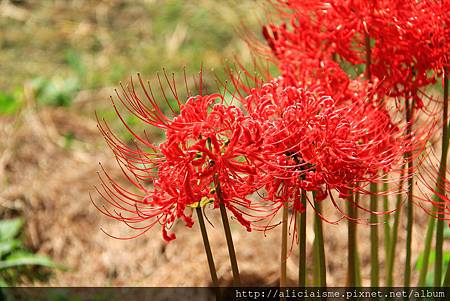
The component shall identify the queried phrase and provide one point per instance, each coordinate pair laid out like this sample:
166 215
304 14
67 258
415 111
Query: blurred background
59 63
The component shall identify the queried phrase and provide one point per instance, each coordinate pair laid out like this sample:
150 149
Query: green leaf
446 257
25 258
39 85
10 228
55 91
9 104
9 246
419 262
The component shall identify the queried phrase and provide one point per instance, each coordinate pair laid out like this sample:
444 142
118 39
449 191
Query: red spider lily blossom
301 59
436 34
208 146
408 39
307 46
401 55
319 35
314 143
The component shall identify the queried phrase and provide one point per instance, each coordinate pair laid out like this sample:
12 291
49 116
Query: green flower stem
368 57
393 236
358 269
229 238
409 203
427 249
284 242
318 229
447 277
351 243
439 244
374 262
387 228
441 179
358 263
316 262
301 232
209 256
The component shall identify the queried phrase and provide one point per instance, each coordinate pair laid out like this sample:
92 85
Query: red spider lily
435 32
314 143
401 55
302 59
319 34
208 146
441 40
307 46
408 39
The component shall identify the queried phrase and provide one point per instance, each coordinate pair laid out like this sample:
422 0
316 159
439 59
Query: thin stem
351 236
229 238
316 261
358 268
301 217
357 263
447 277
393 243
387 228
409 203
439 246
318 228
374 262
442 172
284 242
427 249
209 256
368 57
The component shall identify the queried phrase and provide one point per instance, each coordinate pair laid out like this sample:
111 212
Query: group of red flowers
316 127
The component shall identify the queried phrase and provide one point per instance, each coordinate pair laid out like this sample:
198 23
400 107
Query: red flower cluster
314 128
290 139
400 43
209 146
314 143
406 39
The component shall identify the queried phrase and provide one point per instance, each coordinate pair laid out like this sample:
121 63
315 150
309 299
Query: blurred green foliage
103 42
15 260
429 281
10 103
55 92
63 48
